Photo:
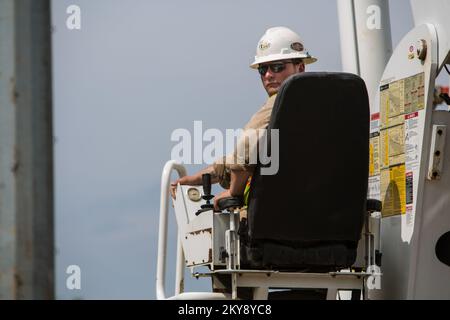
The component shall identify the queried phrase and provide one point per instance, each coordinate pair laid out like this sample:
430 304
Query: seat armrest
230 202
373 205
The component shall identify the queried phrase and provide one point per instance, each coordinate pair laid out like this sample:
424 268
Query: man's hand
194 180
224 194
238 182
189 180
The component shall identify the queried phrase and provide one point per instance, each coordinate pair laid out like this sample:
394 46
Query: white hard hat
280 43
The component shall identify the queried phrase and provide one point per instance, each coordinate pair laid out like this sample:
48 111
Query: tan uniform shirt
235 161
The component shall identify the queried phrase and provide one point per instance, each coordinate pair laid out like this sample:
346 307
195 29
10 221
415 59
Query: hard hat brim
307 59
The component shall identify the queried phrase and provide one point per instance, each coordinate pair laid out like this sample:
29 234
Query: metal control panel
203 235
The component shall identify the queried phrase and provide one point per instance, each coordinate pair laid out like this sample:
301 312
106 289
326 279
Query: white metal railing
162 234
162 246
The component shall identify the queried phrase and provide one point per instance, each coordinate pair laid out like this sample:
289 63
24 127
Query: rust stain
182 285
209 230
16 163
15 167
17 284
14 94
18 280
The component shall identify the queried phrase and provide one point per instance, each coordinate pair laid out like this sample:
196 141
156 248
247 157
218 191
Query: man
279 54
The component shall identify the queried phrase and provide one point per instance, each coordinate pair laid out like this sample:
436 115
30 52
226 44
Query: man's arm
194 180
239 179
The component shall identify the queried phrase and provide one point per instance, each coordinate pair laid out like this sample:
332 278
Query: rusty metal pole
26 151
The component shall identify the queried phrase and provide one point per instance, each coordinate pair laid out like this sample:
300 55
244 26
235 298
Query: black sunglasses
274 67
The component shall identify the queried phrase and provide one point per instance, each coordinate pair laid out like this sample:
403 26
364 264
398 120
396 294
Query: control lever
207 196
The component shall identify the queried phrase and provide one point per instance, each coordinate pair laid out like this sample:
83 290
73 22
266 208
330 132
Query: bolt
421 49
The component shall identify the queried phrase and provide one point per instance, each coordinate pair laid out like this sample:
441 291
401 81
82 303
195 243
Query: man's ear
301 67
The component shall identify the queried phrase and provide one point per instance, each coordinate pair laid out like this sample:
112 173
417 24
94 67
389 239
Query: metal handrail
162 235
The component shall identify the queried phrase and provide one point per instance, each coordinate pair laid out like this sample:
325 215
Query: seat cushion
318 257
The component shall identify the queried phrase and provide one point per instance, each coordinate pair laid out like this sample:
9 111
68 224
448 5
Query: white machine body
409 171
202 236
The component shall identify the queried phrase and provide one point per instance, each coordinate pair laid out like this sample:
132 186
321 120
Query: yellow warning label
420 91
396 144
396 103
398 100
384 105
393 190
384 149
374 156
409 106
401 97
414 93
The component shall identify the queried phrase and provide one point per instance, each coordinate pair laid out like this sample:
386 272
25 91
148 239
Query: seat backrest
319 192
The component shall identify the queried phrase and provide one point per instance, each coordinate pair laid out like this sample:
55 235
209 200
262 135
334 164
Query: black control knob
206 179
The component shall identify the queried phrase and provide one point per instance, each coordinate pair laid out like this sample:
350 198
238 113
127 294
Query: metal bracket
436 159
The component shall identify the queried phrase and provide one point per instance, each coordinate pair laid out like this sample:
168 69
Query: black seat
309 215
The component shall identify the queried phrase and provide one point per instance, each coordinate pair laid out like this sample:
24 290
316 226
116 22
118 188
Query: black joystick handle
206 179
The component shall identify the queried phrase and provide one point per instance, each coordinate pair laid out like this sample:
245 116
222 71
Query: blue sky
136 71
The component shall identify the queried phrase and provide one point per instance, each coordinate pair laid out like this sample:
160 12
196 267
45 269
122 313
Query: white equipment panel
402 145
202 236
